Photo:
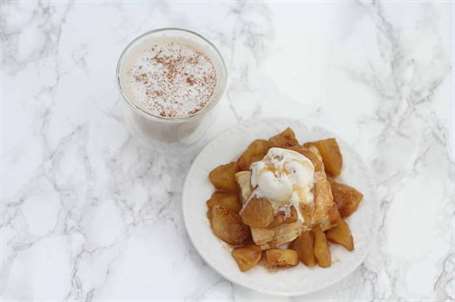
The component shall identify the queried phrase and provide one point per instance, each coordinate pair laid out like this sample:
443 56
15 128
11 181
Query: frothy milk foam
168 77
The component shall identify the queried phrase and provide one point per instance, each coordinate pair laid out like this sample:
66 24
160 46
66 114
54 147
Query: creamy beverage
170 80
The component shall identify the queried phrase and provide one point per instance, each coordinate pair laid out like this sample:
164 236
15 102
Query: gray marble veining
88 213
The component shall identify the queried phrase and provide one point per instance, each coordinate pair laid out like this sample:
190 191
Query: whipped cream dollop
284 177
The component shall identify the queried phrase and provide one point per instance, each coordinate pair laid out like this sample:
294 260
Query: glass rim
194 116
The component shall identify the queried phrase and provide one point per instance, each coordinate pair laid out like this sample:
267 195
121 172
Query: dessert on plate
280 203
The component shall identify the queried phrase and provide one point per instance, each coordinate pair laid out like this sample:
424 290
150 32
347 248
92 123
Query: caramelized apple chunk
223 177
331 155
284 139
247 257
227 225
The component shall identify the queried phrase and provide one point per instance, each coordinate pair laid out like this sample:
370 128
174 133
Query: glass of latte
170 79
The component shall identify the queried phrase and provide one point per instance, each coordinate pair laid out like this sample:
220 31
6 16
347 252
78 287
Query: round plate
300 279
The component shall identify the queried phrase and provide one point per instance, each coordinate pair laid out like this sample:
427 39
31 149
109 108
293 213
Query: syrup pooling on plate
285 178
168 77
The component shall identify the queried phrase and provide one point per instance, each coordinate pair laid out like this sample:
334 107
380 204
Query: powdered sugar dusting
171 79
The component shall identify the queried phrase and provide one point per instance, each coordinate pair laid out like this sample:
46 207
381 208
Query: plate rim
346 273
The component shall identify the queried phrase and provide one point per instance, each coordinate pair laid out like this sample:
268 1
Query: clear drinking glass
158 131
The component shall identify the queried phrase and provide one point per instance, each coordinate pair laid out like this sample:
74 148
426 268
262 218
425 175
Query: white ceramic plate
298 280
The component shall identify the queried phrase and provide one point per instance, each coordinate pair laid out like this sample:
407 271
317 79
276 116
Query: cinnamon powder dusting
172 79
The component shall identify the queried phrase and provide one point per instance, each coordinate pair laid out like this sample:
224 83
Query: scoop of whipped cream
284 177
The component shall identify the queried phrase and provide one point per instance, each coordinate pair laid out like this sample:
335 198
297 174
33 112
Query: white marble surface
87 213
